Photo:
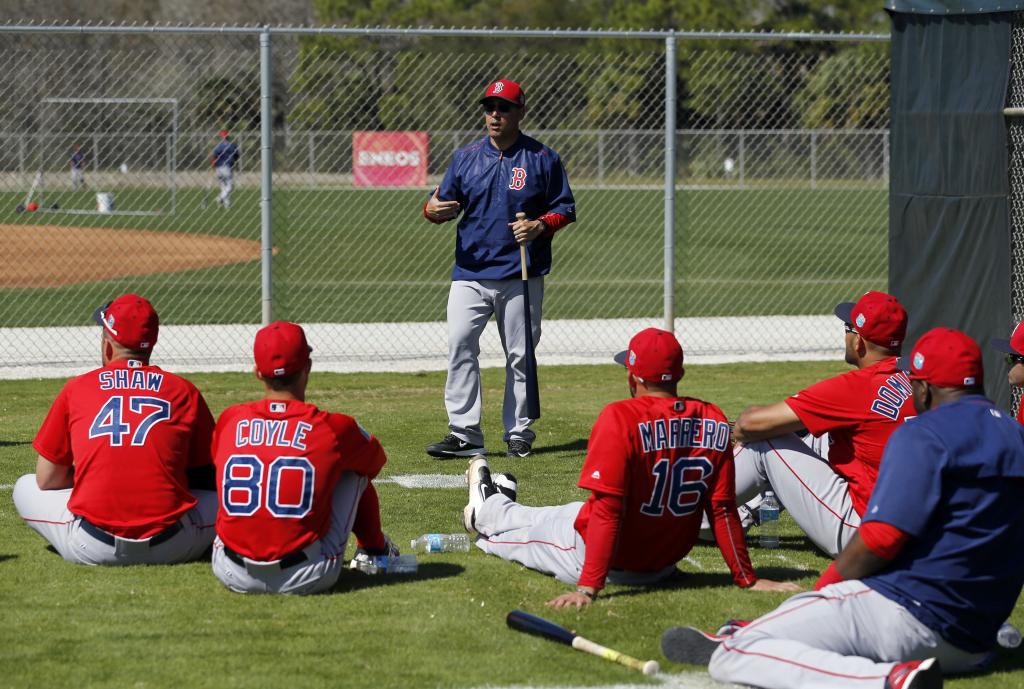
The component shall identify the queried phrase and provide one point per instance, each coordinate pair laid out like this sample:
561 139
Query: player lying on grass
293 480
124 474
936 567
655 463
825 478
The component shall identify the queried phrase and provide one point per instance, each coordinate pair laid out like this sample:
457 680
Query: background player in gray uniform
77 167
489 182
224 158
935 568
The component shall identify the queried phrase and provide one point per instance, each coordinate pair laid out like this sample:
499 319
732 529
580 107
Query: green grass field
72 626
369 256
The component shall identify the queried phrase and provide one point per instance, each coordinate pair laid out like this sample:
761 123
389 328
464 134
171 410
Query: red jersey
130 430
859 410
277 465
1020 412
669 459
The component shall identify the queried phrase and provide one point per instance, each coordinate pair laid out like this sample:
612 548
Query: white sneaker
481 487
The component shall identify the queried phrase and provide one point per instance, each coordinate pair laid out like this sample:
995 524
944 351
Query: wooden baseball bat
531 624
532 388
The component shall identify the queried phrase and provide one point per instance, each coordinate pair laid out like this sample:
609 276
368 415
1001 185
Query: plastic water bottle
387 564
769 513
1008 636
441 543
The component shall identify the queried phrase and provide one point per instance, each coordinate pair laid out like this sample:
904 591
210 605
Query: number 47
108 421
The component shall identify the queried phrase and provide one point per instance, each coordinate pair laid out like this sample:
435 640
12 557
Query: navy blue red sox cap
877 317
946 358
130 320
653 355
505 89
1015 345
280 349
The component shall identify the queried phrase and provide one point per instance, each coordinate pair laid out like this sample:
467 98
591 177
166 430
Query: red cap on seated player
1015 345
654 355
130 320
505 90
877 317
946 358
280 349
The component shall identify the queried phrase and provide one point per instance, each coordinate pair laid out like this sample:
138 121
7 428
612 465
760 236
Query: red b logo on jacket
518 180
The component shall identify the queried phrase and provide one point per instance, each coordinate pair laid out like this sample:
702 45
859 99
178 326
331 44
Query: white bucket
104 202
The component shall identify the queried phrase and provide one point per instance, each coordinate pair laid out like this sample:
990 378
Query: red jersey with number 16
859 410
277 467
130 430
669 459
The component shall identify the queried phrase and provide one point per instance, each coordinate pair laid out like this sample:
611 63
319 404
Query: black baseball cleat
517 447
453 446
507 485
481 487
689 645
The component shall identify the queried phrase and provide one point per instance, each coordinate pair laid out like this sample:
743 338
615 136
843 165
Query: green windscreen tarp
949 221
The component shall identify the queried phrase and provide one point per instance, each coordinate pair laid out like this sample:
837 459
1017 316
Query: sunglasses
848 327
499 105
1014 359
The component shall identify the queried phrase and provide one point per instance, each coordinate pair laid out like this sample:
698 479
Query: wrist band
592 595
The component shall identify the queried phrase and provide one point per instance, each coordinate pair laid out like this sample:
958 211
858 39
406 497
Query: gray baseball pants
544 539
470 305
324 558
816 496
46 512
845 636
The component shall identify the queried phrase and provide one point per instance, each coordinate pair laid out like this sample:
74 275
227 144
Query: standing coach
489 182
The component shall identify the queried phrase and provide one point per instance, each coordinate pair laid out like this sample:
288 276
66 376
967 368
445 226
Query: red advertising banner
389 159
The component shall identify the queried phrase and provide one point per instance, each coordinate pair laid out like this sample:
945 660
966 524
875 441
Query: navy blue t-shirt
952 479
225 153
491 186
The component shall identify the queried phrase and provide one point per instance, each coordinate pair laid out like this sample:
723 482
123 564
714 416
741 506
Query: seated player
293 480
655 463
936 567
124 474
825 479
1014 350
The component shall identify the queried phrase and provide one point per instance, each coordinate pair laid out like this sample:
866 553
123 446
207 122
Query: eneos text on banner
389 159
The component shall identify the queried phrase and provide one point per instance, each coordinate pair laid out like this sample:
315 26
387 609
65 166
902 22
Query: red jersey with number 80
130 430
277 466
859 410
669 459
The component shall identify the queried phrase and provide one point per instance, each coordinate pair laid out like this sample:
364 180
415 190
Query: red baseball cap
280 349
947 358
223 133
130 320
877 317
653 355
505 90
1015 345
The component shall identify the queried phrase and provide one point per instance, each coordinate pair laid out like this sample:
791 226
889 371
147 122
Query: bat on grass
531 624
532 389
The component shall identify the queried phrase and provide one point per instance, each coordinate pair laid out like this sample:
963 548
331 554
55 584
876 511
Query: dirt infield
50 256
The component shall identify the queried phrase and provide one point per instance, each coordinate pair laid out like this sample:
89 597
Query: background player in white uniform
935 568
825 478
489 182
224 158
78 164
654 464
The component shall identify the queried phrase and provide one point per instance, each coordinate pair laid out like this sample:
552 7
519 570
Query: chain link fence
780 187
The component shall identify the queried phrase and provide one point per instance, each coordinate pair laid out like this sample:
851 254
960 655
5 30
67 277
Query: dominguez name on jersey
668 434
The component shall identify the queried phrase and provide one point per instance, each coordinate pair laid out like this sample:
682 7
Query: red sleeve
602 533
1020 412
554 221
827 406
884 540
726 523
53 441
609 448
831 575
361 451
367 529
202 434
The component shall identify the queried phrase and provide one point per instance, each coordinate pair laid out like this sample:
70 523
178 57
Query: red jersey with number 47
130 430
277 467
859 410
669 459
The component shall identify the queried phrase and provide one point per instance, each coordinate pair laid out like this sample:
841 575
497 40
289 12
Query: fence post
670 182
266 166
814 159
